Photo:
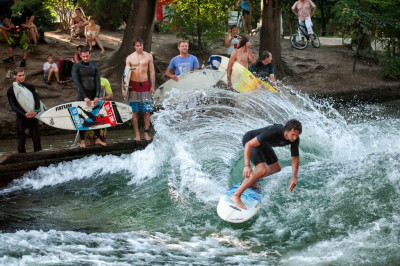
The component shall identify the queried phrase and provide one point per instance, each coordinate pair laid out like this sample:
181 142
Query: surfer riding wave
258 149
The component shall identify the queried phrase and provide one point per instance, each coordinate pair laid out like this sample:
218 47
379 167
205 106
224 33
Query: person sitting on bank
50 68
25 120
18 36
92 32
32 31
5 28
263 68
78 24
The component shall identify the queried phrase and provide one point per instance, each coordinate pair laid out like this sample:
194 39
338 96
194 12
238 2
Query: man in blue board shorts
258 149
141 90
182 63
25 120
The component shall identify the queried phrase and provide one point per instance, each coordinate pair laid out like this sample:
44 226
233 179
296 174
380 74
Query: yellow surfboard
242 79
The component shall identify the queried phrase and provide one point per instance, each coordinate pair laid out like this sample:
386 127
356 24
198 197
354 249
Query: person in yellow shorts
106 94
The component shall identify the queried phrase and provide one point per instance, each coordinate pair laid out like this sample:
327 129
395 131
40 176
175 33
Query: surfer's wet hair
18 69
293 124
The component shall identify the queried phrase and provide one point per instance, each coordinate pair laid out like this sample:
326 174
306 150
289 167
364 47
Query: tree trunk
323 18
140 24
270 34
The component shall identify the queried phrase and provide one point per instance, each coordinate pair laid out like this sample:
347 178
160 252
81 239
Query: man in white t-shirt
49 68
304 10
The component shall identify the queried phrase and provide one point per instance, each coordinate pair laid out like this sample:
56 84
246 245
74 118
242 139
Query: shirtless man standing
141 90
242 55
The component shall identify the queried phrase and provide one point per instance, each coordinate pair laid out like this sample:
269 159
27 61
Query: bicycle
297 38
240 22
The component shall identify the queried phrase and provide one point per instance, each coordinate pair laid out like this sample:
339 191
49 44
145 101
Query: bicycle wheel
297 42
315 42
240 24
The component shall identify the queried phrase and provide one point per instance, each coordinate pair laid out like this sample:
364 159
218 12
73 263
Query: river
158 206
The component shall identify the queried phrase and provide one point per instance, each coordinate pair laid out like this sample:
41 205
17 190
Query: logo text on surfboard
64 106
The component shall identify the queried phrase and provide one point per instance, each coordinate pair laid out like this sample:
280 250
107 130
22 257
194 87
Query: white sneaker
9 74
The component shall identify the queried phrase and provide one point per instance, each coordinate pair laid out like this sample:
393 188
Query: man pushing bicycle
304 10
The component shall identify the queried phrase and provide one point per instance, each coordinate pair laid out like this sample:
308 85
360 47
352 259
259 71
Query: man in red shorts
141 89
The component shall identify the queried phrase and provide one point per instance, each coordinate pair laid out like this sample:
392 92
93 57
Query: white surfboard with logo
228 211
79 116
26 100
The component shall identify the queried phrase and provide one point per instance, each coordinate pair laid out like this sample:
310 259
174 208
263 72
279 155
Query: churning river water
158 206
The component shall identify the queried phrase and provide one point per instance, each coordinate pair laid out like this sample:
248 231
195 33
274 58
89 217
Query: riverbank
320 72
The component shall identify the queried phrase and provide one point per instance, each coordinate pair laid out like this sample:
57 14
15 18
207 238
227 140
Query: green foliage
391 67
379 21
63 10
44 20
108 14
200 21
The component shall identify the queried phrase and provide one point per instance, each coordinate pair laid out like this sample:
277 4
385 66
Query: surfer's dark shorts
263 155
260 154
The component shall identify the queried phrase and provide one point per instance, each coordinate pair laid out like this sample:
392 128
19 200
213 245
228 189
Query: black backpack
66 68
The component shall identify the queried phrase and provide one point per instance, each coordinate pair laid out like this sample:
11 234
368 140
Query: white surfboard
189 85
78 116
242 79
126 80
229 212
26 100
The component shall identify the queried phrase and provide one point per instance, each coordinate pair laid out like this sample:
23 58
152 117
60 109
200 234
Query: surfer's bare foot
137 138
82 145
147 137
98 141
238 202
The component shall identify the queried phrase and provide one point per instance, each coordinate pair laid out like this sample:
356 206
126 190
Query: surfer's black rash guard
270 136
14 103
86 77
23 122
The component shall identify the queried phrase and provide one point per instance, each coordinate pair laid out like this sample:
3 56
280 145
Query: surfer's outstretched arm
295 170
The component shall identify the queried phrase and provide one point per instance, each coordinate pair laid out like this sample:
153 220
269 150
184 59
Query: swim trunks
139 96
